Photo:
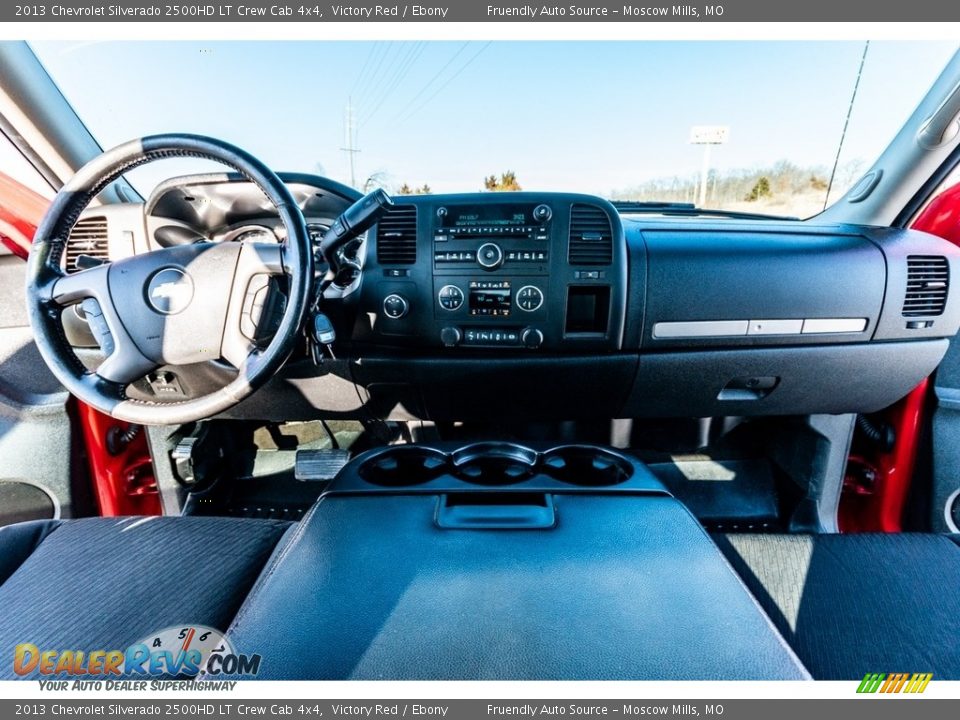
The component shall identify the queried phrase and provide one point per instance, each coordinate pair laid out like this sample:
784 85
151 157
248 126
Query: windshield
766 127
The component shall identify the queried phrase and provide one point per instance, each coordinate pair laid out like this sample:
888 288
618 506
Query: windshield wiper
688 210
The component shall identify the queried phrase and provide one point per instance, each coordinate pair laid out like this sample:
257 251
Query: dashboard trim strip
700 328
739 328
834 325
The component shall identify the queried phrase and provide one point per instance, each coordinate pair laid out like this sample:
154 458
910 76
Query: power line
449 80
382 86
385 62
366 63
372 59
433 79
386 83
403 69
374 73
379 57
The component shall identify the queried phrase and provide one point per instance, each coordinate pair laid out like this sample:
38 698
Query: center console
498 561
520 271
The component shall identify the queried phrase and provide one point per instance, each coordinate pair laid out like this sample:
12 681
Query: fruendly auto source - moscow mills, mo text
532 12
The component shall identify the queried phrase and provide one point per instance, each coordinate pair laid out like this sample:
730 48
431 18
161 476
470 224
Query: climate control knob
529 298
451 336
450 297
531 338
395 306
490 256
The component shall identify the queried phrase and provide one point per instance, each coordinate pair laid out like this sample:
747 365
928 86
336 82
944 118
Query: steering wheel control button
531 338
542 213
169 291
165 384
450 297
490 256
98 325
529 298
395 306
253 303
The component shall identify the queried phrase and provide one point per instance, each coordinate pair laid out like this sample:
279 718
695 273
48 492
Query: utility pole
708 136
704 174
350 140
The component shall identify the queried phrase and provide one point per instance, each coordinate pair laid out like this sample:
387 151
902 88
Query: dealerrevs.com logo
183 651
911 683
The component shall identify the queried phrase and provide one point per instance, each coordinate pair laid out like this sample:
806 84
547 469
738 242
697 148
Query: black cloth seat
106 583
853 604
848 604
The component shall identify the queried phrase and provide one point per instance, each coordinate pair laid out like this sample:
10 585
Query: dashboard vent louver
397 236
88 237
591 236
928 279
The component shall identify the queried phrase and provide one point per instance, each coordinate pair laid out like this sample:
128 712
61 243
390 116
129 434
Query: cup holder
494 463
586 466
404 466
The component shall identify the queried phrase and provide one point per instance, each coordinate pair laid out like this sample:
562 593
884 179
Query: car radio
493 237
490 265
512 272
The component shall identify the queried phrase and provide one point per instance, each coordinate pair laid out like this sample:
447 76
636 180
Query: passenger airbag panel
747 288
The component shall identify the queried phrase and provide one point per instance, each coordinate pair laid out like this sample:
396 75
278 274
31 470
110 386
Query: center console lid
500 561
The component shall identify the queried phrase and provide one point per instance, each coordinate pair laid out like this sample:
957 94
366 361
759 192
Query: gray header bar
223 707
633 11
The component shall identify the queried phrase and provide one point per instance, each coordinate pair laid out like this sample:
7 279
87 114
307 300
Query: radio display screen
487 215
490 298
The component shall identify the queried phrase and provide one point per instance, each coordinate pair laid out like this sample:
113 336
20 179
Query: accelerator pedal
319 465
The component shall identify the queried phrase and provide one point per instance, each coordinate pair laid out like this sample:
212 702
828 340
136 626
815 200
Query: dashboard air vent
397 236
88 237
928 278
591 237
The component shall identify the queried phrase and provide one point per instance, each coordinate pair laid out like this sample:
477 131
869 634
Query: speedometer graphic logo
181 650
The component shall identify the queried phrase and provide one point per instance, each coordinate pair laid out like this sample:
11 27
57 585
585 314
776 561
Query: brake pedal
314 465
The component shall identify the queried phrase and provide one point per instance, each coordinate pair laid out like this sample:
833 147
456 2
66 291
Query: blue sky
584 116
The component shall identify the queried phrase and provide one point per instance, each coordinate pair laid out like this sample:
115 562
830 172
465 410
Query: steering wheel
174 306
